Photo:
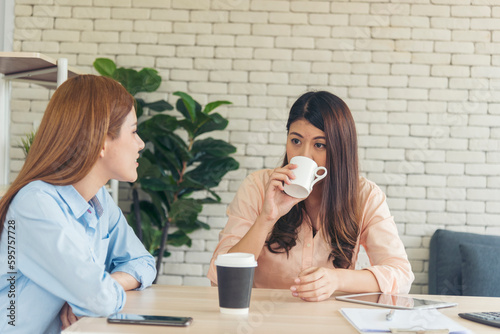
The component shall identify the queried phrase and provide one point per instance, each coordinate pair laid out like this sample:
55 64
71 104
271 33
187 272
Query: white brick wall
420 77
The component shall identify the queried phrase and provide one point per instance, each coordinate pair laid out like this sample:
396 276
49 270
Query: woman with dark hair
311 245
66 249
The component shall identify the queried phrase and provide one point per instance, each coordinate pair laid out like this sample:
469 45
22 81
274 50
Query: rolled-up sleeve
379 236
126 253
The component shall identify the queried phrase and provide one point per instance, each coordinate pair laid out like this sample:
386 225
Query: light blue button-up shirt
57 248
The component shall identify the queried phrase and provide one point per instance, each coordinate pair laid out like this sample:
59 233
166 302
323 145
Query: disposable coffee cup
306 176
235 279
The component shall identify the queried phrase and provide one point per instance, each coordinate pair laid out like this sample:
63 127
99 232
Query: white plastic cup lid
239 260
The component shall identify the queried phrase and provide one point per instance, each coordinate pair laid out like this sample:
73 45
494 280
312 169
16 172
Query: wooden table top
271 311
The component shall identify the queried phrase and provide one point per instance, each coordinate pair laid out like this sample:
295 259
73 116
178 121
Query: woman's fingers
67 316
71 316
277 184
309 280
315 284
63 315
276 202
316 297
283 174
310 274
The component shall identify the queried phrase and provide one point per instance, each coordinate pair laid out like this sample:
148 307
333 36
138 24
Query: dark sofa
463 263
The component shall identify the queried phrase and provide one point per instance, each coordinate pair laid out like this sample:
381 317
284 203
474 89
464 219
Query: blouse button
308 245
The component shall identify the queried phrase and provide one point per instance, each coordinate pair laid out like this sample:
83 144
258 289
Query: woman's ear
103 149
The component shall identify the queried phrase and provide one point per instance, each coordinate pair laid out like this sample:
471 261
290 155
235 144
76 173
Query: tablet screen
394 301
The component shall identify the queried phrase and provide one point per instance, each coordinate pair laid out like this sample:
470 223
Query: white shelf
32 68
35 68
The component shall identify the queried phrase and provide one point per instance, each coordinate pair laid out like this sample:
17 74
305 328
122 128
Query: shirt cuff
391 280
139 269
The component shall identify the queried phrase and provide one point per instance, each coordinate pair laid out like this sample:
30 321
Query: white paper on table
374 320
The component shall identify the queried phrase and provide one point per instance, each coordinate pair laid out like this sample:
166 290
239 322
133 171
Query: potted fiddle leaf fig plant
180 165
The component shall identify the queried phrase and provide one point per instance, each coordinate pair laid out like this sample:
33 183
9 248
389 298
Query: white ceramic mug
306 176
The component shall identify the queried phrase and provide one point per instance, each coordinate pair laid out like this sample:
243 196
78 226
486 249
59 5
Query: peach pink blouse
378 235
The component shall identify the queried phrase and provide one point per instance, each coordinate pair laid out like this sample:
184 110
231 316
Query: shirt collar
94 202
76 202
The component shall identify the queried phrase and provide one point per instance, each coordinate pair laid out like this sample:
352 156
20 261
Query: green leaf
201 119
165 253
212 105
139 103
171 149
216 122
129 78
105 66
187 125
150 80
165 124
211 171
161 200
179 238
209 200
157 126
160 105
167 158
151 235
146 168
188 185
157 184
187 106
210 147
203 225
153 212
148 155
162 124
191 185
184 211
146 80
189 227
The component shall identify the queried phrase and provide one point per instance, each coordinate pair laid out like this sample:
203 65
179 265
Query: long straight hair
81 113
339 206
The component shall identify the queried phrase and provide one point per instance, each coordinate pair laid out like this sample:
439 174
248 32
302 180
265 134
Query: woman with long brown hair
311 245
66 249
